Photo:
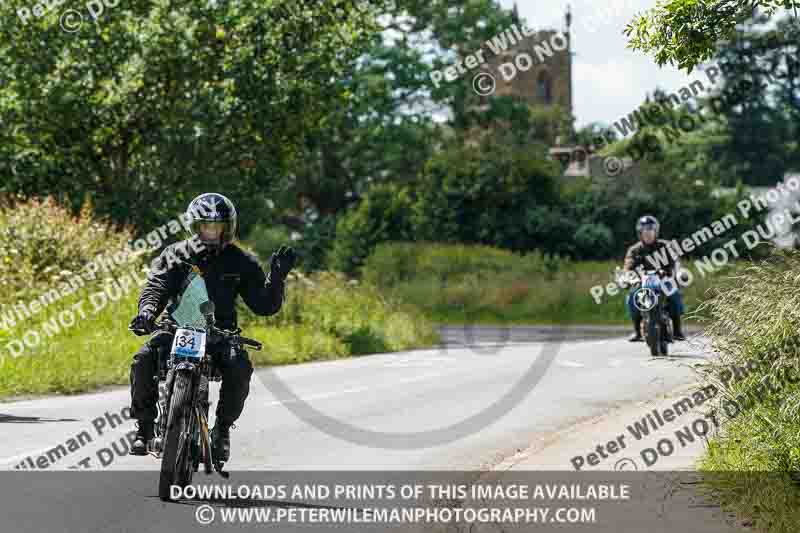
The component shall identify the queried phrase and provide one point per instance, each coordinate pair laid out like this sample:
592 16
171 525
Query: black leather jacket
232 273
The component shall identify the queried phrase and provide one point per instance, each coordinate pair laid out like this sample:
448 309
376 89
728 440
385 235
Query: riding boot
221 442
677 333
144 433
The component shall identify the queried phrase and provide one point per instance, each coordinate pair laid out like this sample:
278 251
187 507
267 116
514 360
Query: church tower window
544 88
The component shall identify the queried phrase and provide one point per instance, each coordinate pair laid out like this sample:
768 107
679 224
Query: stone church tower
545 79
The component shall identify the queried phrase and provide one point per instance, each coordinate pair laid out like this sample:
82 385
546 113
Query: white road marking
16 458
569 364
351 390
406 362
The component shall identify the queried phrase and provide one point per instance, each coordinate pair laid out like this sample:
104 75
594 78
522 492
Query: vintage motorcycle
649 297
181 437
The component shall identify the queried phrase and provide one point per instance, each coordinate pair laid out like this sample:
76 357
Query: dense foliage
322 124
686 32
160 101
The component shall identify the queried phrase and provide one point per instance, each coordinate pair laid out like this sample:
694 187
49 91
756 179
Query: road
458 407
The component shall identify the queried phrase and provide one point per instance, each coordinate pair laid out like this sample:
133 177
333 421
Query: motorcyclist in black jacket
228 271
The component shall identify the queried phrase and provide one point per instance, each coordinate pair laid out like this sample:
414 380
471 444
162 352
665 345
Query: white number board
189 343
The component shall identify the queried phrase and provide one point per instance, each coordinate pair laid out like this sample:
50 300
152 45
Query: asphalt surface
321 416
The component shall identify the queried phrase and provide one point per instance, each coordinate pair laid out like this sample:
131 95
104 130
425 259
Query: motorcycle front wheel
653 336
175 458
666 336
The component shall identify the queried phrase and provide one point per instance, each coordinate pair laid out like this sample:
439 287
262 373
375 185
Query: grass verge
323 317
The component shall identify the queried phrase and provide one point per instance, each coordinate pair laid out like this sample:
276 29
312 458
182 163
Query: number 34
183 341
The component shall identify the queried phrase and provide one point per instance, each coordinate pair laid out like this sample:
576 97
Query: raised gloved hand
281 263
143 323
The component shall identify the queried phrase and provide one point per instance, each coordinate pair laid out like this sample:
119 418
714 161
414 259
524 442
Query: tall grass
753 320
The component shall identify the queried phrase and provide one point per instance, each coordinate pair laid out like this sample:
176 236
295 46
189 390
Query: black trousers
236 372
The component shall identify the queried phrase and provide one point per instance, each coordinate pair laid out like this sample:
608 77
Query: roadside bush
323 317
454 283
595 241
383 214
754 318
315 244
42 243
357 315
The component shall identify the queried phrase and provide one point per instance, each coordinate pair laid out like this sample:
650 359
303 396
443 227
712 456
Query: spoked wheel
186 453
175 461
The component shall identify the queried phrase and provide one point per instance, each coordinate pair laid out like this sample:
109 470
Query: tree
386 129
747 130
161 100
486 194
382 133
589 134
389 125
760 100
384 214
686 32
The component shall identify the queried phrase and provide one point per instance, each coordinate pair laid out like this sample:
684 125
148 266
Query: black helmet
647 222
212 218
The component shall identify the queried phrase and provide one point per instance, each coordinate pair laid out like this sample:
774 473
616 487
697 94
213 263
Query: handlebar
227 335
138 332
630 278
251 342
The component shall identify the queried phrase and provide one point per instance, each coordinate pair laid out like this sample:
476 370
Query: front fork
162 408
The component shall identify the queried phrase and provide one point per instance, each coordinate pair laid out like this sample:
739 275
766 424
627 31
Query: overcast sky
608 80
